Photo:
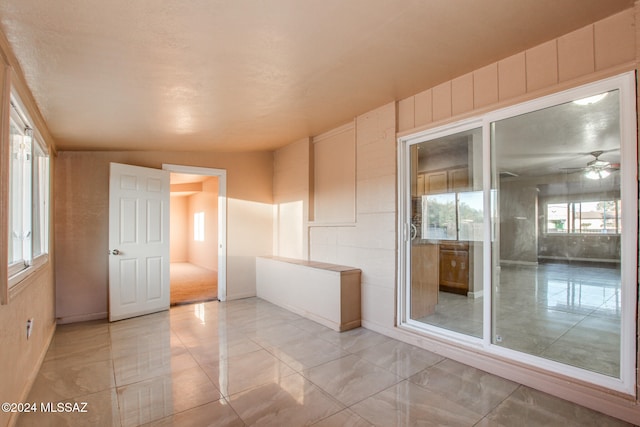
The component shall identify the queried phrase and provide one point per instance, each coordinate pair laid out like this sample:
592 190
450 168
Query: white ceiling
553 139
238 75
177 179
556 140
188 178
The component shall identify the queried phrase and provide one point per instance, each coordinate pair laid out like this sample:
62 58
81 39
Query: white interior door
138 241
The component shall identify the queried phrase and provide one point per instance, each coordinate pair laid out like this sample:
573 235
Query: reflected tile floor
248 362
561 312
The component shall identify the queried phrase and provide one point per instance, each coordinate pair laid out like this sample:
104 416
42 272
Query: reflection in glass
471 215
556 258
439 219
446 246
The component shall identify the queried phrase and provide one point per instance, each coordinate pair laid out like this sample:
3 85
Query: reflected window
440 220
471 215
602 217
198 226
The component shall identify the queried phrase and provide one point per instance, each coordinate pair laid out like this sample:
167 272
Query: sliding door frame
626 383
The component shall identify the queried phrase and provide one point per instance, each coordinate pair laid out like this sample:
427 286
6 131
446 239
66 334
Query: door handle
115 252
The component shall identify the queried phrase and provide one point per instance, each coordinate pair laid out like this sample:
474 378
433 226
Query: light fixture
590 99
596 173
596 168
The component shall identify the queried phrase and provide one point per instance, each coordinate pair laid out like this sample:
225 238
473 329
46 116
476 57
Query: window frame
573 218
16 121
37 203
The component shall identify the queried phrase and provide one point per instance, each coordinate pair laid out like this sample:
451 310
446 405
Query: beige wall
81 208
20 358
179 228
602 49
369 243
292 184
204 254
334 176
606 48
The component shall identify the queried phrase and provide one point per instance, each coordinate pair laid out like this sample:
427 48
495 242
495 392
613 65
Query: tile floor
249 362
561 312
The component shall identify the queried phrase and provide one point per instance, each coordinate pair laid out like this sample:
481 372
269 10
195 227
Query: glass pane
556 257
557 217
447 232
470 214
40 202
440 219
19 199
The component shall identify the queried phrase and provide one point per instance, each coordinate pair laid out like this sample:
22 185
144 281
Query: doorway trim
221 174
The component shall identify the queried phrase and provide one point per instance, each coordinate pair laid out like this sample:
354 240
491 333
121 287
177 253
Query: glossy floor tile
351 379
528 407
408 404
560 312
248 362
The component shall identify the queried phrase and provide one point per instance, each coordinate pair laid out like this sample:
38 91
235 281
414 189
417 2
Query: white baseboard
82 318
516 262
231 297
579 259
477 294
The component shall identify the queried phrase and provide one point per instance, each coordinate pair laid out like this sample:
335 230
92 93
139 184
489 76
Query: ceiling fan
596 168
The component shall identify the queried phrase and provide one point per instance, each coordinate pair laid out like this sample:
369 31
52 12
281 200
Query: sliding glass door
557 274
447 232
523 232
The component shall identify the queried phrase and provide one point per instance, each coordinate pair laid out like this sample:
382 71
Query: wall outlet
29 327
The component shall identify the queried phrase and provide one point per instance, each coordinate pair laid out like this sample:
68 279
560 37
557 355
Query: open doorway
197 249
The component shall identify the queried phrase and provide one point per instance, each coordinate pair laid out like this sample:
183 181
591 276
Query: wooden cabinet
424 280
458 179
445 181
444 266
436 182
454 267
419 185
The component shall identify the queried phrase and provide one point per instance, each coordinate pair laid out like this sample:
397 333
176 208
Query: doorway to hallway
197 234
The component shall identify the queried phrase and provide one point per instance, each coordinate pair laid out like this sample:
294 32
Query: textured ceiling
239 75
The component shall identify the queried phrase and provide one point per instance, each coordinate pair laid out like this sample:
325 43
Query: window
40 202
28 207
453 216
601 217
19 195
198 226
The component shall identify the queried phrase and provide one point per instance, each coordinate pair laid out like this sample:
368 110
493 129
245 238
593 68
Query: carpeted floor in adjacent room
191 283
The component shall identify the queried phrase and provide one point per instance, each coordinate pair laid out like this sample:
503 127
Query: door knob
115 252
